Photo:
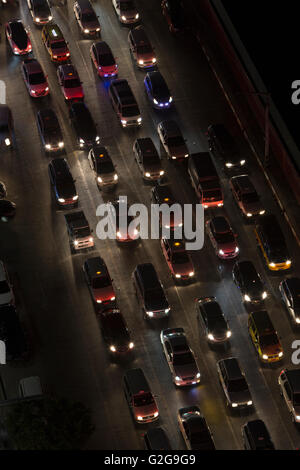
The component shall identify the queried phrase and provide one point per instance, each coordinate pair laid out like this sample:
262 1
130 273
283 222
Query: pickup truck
80 234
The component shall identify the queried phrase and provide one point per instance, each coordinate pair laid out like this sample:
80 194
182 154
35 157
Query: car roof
148 273
137 381
171 127
32 65
263 321
164 193
196 423
48 114
140 35
69 70
85 4
220 224
146 144
175 245
247 269
54 30
102 47
293 377
212 308
101 153
232 367
157 79
245 184
96 265
258 431
179 343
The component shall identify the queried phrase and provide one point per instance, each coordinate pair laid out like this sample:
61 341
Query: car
70 83
180 357
246 197
124 103
289 385
18 37
6 289
194 429
86 18
271 243
234 385
103 60
102 167
290 295
141 49
121 222
249 281
83 124
162 194
172 140
34 78
148 159
156 439
256 436
179 261
264 337
157 90
139 397
212 320
55 43
174 14
222 237
40 11
12 333
62 182
223 146
3 191
49 130
115 331
150 292
7 208
99 282
6 127
126 11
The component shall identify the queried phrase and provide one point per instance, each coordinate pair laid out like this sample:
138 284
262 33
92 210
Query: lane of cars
168 250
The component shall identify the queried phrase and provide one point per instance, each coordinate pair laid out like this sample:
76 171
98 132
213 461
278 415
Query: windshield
182 359
237 385
106 59
82 232
89 16
269 340
143 399
127 6
250 197
224 237
130 111
180 258
145 49
72 83
175 141
100 282
4 287
36 78
58 45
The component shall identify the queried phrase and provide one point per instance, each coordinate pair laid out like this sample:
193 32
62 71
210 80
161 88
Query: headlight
140 418
170 99
91 239
186 155
247 298
249 214
297 320
119 234
60 144
123 18
7 141
99 301
154 60
265 295
262 212
131 345
141 62
113 298
229 165
191 274
33 92
198 375
161 173
139 120
135 232
81 141
47 88
288 262
178 379
249 403
99 179
167 310
234 405
98 29
237 249
61 199
37 20
50 18
150 314
86 31
75 198
221 252
55 57
210 337
220 205
137 16
265 357
228 334
242 162
280 354
112 348
116 177
147 174
272 265
297 418
97 138
123 122
178 276
68 54
155 414
155 101
76 242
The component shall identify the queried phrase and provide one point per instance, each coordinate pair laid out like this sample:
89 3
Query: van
55 43
264 337
30 387
205 180
139 397
150 292
141 48
156 439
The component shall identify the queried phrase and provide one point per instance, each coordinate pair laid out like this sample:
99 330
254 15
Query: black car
7 208
49 130
212 319
87 19
40 11
83 124
290 294
234 384
115 331
157 90
172 140
249 282
6 126
223 146
157 439
256 436
11 332
194 429
174 13
18 37
150 292
62 183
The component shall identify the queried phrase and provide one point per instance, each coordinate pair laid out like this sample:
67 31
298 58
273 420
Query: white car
126 11
6 291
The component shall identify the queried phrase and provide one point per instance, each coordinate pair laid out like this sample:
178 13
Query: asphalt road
68 351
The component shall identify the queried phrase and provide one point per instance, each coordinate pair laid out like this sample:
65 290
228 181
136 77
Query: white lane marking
2 92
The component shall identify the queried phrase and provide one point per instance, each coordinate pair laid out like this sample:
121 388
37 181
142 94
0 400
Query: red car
179 261
222 237
18 37
103 60
34 78
70 83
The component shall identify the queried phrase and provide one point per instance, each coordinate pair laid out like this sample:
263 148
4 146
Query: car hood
179 150
88 134
66 190
146 410
219 330
272 350
183 269
186 370
39 88
252 207
91 25
240 397
104 293
155 304
41 12
152 167
227 247
53 138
